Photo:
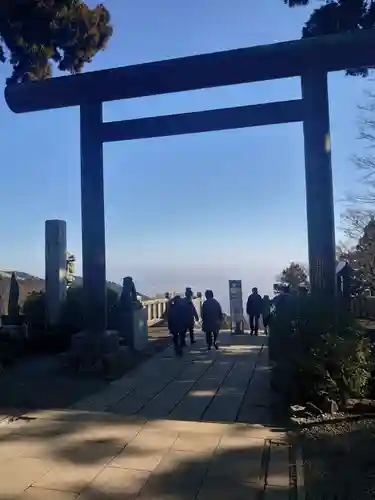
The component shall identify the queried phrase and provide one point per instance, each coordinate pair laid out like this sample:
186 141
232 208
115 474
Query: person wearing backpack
212 317
254 308
266 313
176 324
190 315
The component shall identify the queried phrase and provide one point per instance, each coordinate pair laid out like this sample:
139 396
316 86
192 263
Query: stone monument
70 269
55 271
132 318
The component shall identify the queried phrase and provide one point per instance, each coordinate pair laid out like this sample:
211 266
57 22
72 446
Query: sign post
236 305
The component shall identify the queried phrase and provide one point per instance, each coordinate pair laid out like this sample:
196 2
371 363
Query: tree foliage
294 276
14 295
361 258
338 16
34 309
34 34
359 218
72 319
318 353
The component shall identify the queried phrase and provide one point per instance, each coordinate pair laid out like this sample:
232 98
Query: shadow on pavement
228 385
101 456
38 382
178 433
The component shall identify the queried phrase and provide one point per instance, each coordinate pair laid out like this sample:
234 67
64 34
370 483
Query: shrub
59 337
72 310
318 351
34 310
13 301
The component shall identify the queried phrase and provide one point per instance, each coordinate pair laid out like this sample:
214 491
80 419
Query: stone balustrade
156 309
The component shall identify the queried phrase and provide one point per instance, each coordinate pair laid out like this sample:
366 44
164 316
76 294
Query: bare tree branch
354 220
360 205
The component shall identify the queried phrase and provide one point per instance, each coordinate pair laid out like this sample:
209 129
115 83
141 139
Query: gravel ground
339 459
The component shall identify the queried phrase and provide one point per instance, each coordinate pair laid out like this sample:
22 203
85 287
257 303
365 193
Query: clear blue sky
186 211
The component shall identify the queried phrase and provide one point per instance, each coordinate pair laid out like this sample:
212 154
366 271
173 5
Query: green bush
59 338
34 310
72 310
318 350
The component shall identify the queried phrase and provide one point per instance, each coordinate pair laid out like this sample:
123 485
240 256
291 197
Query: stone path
37 382
196 428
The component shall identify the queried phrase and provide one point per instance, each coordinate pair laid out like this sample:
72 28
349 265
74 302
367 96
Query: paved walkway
196 428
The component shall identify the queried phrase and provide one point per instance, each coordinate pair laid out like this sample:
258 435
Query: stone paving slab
114 483
70 477
156 367
197 400
33 493
170 431
212 488
228 399
164 403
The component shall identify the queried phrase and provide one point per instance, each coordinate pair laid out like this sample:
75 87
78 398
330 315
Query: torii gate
311 59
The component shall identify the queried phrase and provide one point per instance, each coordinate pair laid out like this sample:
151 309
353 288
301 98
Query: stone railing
155 310
157 307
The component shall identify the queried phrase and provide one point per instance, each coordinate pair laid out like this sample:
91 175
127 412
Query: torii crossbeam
311 59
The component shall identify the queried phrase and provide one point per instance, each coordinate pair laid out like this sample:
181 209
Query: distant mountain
29 283
78 281
20 275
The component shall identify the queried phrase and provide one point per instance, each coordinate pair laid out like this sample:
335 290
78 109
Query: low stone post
198 301
132 317
140 330
55 271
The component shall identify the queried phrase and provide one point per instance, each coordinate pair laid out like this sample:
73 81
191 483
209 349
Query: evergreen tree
14 296
338 16
362 260
294 277
34 34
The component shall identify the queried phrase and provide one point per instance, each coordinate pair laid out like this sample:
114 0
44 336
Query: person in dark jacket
168 305
283 300
266 313
212 317
176 324
190 315
254 308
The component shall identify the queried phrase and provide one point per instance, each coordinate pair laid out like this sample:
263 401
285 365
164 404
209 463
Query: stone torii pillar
93 221
319 185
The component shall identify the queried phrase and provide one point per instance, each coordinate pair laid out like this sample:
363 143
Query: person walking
283 300
254 310
176 324
167 306
266 313
212 317
190 315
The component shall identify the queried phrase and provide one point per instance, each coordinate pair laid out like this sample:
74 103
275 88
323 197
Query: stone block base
15 333
91 352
